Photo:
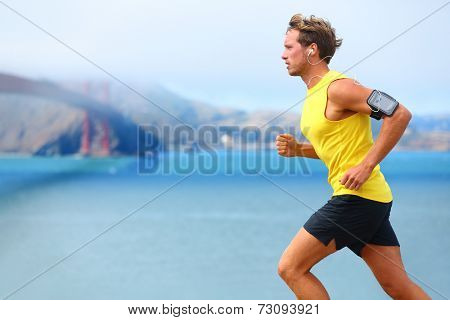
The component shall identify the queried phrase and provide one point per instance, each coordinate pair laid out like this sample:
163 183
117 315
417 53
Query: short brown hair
316 30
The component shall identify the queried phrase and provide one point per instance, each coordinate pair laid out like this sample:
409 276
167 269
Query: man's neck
314 74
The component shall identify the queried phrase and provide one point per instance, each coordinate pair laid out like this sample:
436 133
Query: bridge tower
85 136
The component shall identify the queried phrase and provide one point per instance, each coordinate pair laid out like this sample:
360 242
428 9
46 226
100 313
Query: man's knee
288 270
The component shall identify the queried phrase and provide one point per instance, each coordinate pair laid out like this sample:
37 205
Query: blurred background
79 83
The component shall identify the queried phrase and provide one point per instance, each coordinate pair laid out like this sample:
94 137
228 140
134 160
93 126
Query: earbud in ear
310 51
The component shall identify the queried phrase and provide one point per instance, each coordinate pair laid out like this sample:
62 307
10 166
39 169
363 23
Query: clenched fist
286 145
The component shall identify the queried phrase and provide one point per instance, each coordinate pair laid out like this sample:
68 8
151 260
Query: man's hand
286 145
355 177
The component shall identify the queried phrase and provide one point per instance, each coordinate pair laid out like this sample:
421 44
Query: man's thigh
305 251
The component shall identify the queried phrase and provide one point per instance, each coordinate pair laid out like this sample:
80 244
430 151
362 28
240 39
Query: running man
336 120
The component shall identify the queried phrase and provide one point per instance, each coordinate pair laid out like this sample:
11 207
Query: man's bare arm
391 131
288 147
346 94
306 150
351 96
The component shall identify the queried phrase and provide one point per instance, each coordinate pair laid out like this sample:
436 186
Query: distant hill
191 112
431 123
44 118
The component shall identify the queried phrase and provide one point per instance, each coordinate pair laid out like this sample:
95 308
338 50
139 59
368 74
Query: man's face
293 54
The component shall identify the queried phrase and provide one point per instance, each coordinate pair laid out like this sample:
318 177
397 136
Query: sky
228 53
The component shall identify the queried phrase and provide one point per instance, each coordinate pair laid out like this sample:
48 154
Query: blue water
211 236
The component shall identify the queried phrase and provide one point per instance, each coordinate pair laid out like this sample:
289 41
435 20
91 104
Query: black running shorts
353 221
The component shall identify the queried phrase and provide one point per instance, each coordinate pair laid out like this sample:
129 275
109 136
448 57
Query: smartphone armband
381 103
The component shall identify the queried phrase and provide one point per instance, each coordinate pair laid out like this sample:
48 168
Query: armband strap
375 114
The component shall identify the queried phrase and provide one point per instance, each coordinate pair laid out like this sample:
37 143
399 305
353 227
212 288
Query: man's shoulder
345 91
341 87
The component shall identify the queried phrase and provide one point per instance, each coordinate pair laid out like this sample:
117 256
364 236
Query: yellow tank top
341 144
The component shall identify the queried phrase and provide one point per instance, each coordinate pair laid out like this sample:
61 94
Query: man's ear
313 46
